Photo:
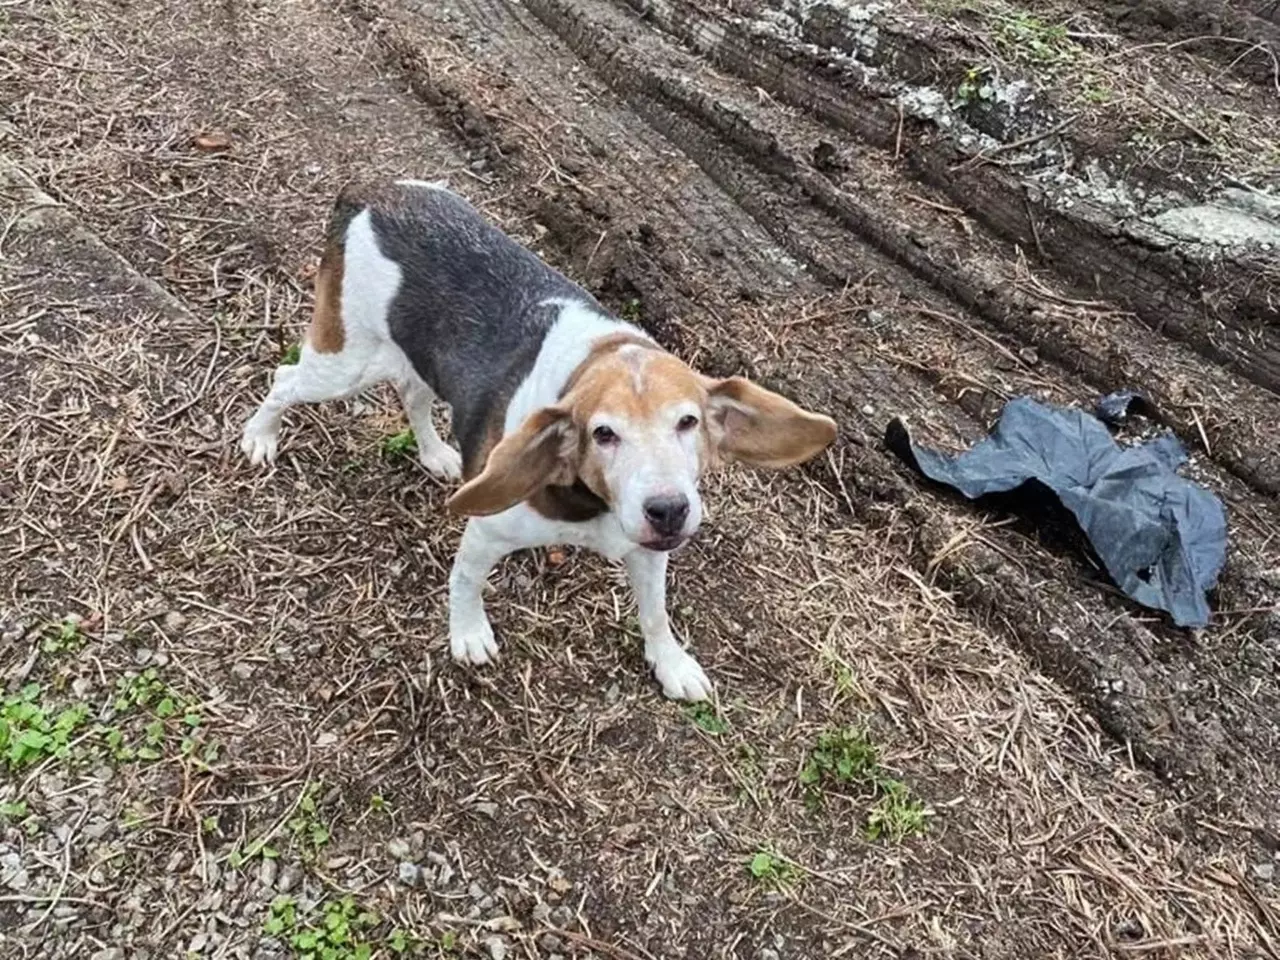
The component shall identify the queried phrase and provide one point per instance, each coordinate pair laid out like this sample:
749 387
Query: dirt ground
250 739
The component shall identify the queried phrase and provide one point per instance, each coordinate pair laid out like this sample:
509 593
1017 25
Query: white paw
259 443
681 676
472 641
442 460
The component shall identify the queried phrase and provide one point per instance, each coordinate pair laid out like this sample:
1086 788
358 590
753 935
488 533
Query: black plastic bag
1162 538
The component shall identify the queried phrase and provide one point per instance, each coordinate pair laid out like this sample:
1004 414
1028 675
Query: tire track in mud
1079 244
1195 712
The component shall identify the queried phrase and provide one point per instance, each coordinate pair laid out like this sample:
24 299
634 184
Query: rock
767 953
550 943
242 670
497 948
410 874
174 621
198 943
267 871
1264 871
12 873
542 912
562 917
399 849
289 877
488 809
108 953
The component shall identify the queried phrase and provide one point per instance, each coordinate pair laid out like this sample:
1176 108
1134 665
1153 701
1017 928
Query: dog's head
639 428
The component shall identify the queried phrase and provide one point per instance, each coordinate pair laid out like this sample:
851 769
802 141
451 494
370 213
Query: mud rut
765 209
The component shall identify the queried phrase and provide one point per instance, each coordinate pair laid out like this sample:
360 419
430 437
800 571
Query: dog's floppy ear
541 452
760 427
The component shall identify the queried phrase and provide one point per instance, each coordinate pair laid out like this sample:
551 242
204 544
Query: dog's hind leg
436 455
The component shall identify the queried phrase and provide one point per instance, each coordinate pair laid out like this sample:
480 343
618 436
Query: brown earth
919 211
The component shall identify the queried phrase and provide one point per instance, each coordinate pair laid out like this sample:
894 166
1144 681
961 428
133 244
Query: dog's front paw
442 461
681 676
259 443
471 641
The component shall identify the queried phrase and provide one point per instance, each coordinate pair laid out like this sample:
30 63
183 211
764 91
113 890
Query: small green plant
1025 37
840 756
291 355
975 87
237 858
847 756
64 637
14 811
139 690
403 941
308 831
896 815
30 732
631 310
1098 93
341 931
379 804
706 719
399 446
773 870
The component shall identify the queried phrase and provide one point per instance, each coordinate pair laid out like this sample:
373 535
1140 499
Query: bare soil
920 210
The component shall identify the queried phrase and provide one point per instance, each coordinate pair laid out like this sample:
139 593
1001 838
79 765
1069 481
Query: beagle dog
574 427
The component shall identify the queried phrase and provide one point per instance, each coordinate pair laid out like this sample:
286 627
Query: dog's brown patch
326 334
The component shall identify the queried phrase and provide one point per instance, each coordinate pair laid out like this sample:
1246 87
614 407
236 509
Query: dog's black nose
667 514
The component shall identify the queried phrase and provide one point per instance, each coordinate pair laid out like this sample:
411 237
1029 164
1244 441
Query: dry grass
556 801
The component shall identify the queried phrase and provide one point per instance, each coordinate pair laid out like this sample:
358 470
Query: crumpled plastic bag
1162 538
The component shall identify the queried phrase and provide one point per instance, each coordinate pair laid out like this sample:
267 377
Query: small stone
767 953
488 809
108 953
1029 356
399 849
869 411
613 694
12 873
542 912
497 948
81 686
550 943
142 656
174 621
289 877
410 873
242 670
267 872
561 916
475 891
198 943
1264 871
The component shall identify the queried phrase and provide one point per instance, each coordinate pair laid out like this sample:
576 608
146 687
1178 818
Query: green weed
308 831
31 732
340 932
291 355
399 446
706 719
896 815
1022 36
773 870
64 637
846 756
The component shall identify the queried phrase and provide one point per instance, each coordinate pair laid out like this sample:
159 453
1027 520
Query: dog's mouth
664 544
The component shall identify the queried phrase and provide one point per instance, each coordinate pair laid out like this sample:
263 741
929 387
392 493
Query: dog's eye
687 422
604 436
